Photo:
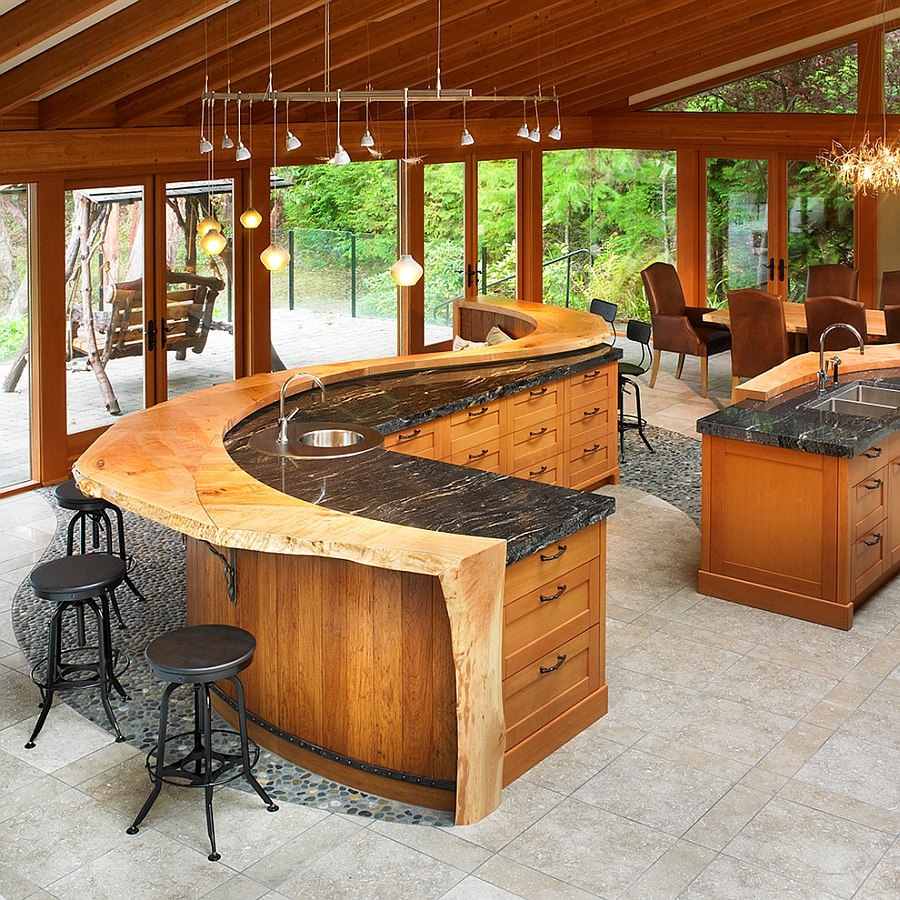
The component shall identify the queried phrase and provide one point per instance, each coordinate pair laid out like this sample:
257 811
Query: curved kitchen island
428 626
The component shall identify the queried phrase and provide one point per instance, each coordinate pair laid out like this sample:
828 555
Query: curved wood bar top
169 463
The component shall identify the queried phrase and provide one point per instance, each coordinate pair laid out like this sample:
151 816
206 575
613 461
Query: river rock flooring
745 755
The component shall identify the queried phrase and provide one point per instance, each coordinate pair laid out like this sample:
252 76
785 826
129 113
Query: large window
607 215
15 413
497 227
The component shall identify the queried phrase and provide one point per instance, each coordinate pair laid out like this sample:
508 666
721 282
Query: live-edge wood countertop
170 464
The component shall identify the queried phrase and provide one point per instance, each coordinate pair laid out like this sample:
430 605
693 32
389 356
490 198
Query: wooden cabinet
553 647
801 534
560 433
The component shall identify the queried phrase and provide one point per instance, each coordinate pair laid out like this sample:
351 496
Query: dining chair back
824 311
892 323
678 328
890 289
759 339
832 280
606 310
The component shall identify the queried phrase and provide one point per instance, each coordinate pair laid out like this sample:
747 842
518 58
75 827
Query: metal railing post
484 262
353 274
291 269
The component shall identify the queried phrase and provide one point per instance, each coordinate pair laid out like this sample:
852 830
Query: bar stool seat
200 655
93 510
78 583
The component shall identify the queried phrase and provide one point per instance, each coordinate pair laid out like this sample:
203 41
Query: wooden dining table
795 320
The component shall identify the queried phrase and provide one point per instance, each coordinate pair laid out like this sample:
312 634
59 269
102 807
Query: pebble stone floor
745 755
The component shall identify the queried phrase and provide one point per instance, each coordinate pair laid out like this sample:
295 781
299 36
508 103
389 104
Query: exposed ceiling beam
136 26
178 53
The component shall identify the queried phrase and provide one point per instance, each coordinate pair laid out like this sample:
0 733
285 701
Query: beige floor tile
713 614
818 849
523 881
371 866
88 767
642 701
238 887
15 773
726 878
13 886
724 820
787 757
882 883
724 640
721 766
146 866
877 719
441 843
19 699
671 873
839 804
473 888
589 847
758 779
665 795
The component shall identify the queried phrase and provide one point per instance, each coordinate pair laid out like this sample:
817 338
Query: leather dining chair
832 281
892 323
824 311
890 289
759 339
678 328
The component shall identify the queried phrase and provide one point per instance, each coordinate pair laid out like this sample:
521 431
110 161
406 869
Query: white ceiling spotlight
524 130
291 141
243 154
227 142
535 134
341 156
555 133
466 140
367 140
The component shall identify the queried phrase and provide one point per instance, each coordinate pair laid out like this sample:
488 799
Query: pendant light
535 135
367 140
555 133
242 154
524 130
291 141
466 140
250 218
275 257
341 156
406 271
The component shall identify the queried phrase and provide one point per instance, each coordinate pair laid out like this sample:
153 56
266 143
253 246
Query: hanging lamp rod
390 96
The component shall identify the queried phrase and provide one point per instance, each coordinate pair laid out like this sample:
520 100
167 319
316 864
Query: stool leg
245 750
53 648
640 418
70 533
110 597
104 646
621 423
120 524
206 713
160 752
83 519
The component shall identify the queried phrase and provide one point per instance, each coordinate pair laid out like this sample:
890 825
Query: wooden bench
189 313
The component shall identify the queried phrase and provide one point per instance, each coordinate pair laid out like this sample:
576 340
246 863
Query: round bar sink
318 440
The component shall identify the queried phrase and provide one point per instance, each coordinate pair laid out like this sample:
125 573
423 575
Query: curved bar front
169 463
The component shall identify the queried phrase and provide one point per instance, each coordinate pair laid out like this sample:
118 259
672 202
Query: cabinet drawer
867 501
534 405
422 440
484 456
546 471
553 561
867 559
866 463
543 690
535 443
476 425
591 385
592 418
550 615
591 459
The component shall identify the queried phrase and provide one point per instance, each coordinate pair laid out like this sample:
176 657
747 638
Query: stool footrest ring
187 771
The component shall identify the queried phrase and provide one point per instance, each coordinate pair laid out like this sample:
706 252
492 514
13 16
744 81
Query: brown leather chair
832 281
678 328
892 324
890 289
759 338
824 311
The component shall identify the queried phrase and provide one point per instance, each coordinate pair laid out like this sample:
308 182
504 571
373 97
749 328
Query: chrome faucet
282 418
823 372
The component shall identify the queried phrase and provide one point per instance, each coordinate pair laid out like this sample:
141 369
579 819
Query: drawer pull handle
593 449
540 471
538 393
478 412
874 485
589 375
480 455
874 453
408 437
546 670
876 540
560 549
539 432
560 590
591 412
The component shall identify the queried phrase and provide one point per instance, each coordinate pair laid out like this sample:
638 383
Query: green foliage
13 331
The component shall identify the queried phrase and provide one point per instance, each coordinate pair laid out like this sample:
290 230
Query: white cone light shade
275 258
243 154
207 224
291 141
250 218
367 140
341 156
213 242
227 143
555 133
523 131
205 145
466 140
535 136
406 271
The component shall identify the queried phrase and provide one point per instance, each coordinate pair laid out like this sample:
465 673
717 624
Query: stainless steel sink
318 440
860 399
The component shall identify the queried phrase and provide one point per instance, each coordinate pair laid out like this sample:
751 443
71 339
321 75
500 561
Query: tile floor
745 755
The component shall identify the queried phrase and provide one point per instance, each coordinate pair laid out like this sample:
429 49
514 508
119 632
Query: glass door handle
781 269
151 336
771 268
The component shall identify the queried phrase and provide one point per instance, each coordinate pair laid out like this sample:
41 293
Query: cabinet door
892 552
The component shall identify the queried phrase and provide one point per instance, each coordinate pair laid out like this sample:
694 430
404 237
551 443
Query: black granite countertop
406 490
785 421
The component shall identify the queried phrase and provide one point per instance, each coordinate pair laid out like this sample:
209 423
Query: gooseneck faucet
823 374
282 418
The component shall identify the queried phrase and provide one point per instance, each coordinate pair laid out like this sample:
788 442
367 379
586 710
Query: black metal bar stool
95 511
75 583
639 332
200 655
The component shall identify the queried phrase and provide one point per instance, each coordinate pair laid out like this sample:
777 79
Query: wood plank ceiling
133 63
